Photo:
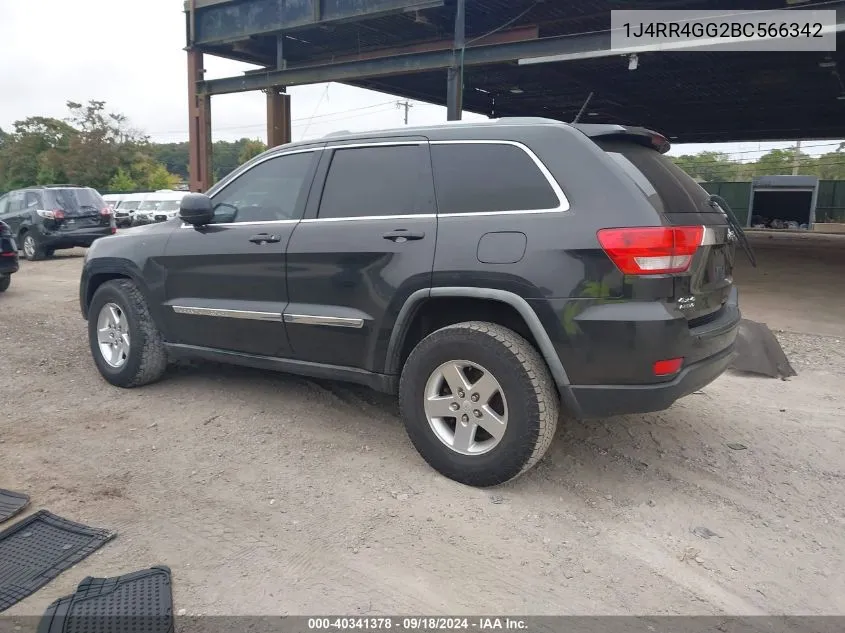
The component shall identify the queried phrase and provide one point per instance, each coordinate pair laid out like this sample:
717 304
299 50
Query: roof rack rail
58 185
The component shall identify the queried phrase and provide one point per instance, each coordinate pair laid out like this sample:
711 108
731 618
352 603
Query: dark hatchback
8 256
47 218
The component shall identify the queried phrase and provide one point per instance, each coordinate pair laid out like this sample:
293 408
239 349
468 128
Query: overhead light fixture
633 61
827 63
487 92
841 98
516 91
592 113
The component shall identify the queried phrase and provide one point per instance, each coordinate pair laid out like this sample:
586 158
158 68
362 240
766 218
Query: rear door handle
265 238
403 235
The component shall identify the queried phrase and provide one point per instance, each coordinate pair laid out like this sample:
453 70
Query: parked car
47 218
113 199
124 213
8 256
168 206
490 274
157 205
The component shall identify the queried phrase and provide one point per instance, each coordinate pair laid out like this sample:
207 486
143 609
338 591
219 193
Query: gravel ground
271 494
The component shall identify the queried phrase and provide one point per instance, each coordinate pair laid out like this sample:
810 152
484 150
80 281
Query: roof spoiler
640 135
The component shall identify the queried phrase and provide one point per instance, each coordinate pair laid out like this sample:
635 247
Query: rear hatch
701 289
80 207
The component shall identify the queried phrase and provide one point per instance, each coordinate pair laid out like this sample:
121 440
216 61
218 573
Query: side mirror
196 209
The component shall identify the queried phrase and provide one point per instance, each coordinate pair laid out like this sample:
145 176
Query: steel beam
199 129
278 117
455 77
404 64
241 19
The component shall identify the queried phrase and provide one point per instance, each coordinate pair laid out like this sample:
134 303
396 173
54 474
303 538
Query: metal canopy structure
516 58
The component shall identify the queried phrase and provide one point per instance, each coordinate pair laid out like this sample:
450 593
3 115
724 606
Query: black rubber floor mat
39 548
759 352
11 503
141 602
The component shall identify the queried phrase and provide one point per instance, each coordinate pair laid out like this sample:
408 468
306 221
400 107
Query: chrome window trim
563 201
310 319
228 180
229 314
563 207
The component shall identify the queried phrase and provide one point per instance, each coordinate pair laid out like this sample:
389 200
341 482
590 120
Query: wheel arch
99 272
416 301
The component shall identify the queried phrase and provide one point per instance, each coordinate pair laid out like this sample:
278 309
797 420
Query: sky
130 55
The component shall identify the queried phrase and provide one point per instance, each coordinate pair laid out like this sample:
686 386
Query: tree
250 149
122 182
708 166
22 150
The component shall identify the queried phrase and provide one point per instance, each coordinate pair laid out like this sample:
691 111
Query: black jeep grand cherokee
490 273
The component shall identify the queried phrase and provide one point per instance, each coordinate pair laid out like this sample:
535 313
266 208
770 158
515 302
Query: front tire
478 403
125 342
5 280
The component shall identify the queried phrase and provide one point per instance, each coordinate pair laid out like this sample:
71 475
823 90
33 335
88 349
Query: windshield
169 205
74 199
127 205
149 205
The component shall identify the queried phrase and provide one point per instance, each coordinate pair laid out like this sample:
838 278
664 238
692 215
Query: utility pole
407 105
796 159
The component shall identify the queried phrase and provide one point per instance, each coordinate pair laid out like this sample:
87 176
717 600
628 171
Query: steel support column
278 117
199 129
455 79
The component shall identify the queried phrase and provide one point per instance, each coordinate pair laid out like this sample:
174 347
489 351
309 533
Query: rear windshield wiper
719 202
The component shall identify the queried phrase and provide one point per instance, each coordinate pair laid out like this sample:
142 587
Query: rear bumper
71 239
8 265
599 401
609 364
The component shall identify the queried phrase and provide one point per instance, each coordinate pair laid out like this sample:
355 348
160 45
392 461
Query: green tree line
98 148
719 167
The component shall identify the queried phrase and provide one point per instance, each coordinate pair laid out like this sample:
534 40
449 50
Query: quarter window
488 177
375 181
33 200
268 192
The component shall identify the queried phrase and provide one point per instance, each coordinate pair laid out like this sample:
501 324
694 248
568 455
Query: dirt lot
269 494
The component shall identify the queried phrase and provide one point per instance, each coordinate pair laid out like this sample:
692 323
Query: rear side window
82 199
668 187
374 181
486 177
33 200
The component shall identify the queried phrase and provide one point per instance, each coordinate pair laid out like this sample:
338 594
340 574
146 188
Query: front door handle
403 235
265 238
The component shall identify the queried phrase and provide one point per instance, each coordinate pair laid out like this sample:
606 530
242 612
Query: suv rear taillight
55 214
106 211
653 250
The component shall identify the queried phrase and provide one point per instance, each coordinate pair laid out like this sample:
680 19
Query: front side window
16 201
374 181
489 177
268 192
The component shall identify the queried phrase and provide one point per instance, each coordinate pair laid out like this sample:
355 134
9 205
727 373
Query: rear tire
5 280
145 357
32 248
499 359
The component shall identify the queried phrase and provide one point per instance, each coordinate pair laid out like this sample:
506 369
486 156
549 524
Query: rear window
668 187
82 199
149 205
